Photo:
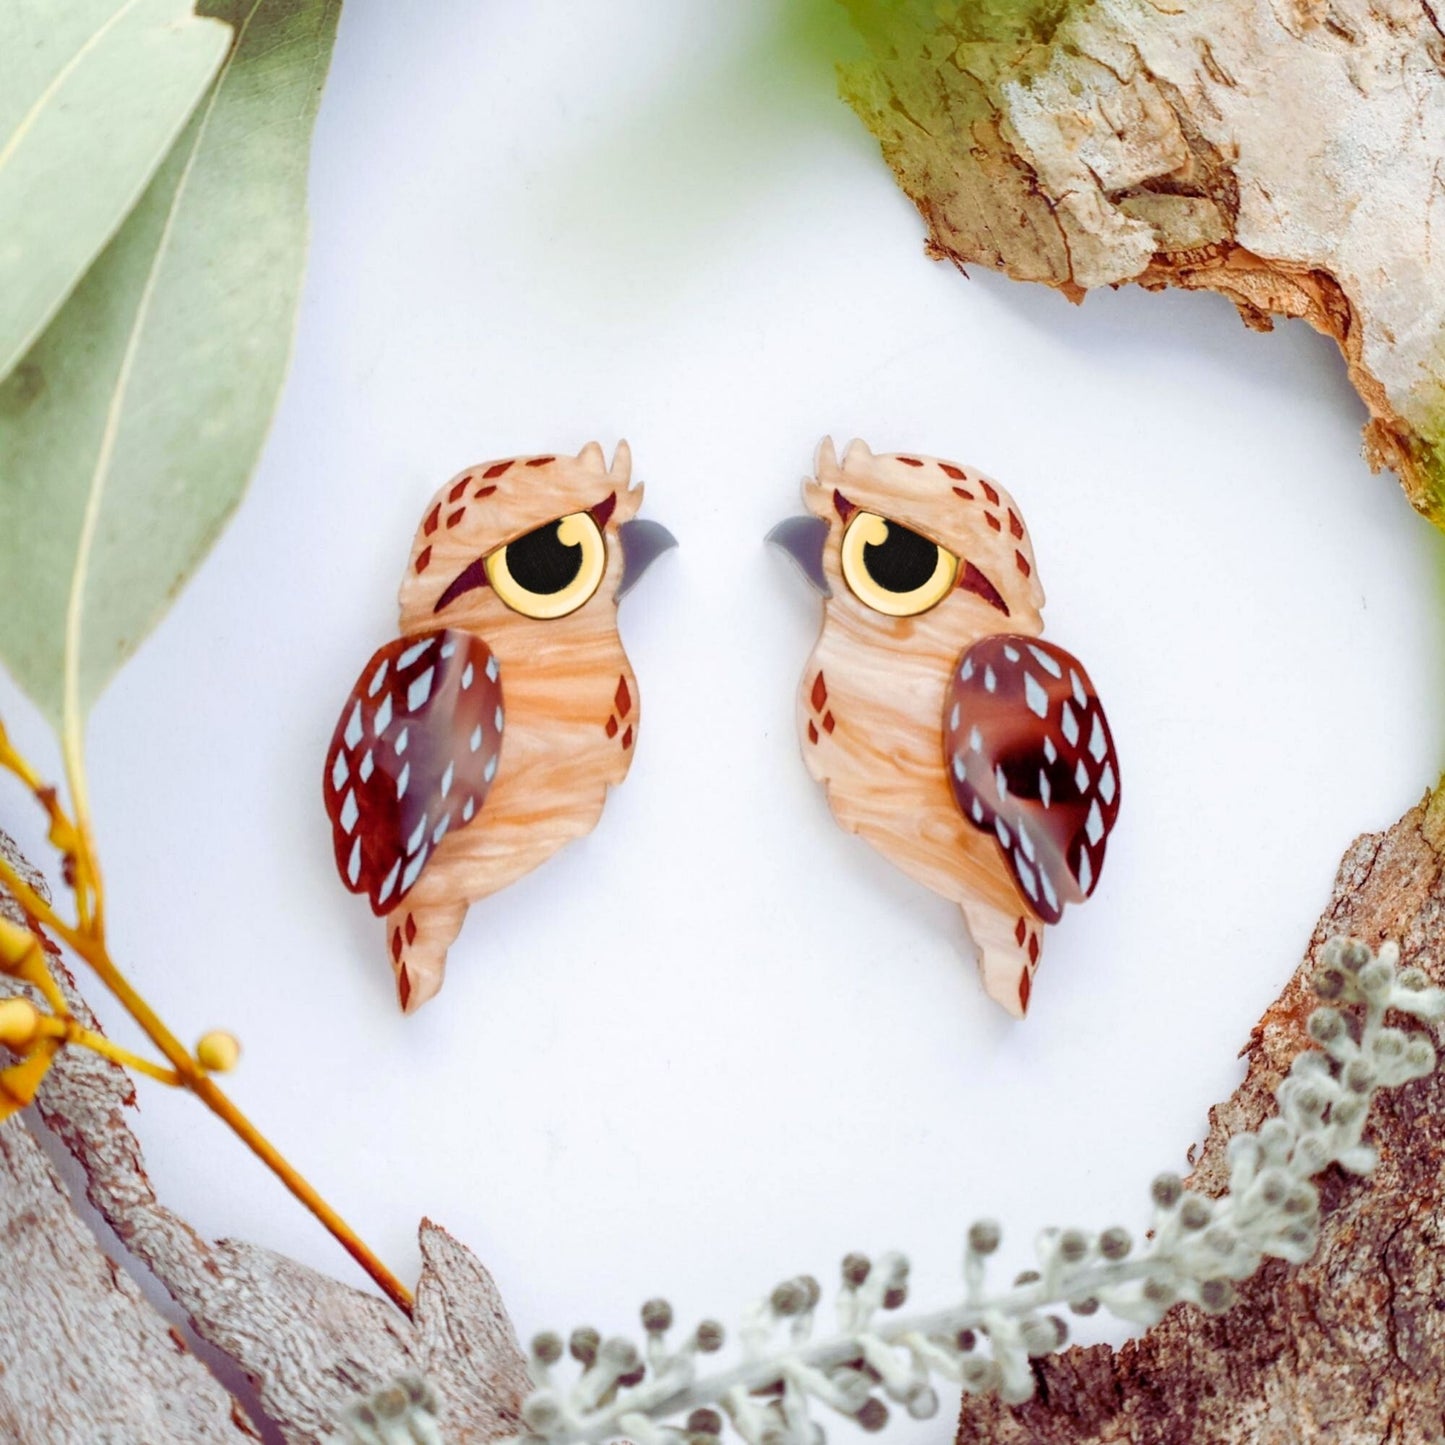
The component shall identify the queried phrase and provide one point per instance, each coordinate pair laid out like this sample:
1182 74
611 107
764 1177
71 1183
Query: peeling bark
83 1355
308 1343
1289 154
1350 1347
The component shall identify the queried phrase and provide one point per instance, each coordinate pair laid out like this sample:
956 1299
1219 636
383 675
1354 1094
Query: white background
720 1042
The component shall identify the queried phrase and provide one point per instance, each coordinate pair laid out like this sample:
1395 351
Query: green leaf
92 95
129 432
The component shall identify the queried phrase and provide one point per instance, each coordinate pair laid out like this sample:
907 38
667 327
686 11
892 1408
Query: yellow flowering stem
88 942
72 842
70 1032
87 869
194 1078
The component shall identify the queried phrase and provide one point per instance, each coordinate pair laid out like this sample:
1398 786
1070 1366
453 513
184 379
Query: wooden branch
1290 156
308 1343
1350 1347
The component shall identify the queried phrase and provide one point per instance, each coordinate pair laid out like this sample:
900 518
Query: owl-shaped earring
968 751
486 736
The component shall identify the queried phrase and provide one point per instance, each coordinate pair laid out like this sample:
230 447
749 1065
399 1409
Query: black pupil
903 561
542 563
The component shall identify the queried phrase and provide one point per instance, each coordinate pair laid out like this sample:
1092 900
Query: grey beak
802 538
643 542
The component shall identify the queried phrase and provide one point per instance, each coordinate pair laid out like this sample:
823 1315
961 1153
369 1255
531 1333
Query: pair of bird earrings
971 753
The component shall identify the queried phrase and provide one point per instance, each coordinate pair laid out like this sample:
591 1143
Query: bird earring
487 735
968 751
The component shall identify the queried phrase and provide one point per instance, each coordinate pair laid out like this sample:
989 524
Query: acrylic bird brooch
487 735
968 751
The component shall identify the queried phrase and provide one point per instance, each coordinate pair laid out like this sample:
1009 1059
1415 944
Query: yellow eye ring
893 569
552 570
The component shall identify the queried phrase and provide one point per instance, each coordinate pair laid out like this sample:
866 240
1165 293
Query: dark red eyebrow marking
990 492
496 470
432 517
959 492
949 470
1023 563
842 505
482 492
974 581
603 510
910 461
993 521
540 461
470 577
1014 525
457 490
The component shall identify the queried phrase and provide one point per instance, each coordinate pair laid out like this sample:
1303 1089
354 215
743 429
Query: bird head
507 547
890 538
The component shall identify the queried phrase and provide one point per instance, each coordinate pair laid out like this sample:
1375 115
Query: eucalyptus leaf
129 432
92 95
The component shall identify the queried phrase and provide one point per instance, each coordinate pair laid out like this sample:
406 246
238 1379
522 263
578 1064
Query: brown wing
1031 760
412 758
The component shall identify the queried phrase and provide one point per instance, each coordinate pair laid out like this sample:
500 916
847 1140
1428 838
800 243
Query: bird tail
418 935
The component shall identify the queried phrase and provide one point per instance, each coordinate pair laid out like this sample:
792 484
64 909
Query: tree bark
308 1343
1348 1348
1287 153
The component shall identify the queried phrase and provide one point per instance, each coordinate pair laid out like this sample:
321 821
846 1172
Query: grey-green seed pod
773 1435
978 1374
1166 1189
710 1337
583 1345
657 1316
1073 1246
633 1377
1376 978
390 1403
984 1236
619 1354
965 1340
705 1422
1273 1186
1359 1076
1326 1025
1420 1055
895 1298
1195 1212
856 1268
1159 1292
789 1298
541 1412
923 1403
547 1348
1027 1276
811 1288
1328 983
1220 1239
1089 1306
873 1416
1115 1243
1353 954
1038 1337
1216 1295
1412 980
854 1386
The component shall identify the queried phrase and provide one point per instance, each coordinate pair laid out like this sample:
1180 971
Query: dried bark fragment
308 1343
1287 153
83 1355
1350 1347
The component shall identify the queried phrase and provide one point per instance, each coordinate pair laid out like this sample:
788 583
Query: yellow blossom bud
15 943
19 1023
218 1052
